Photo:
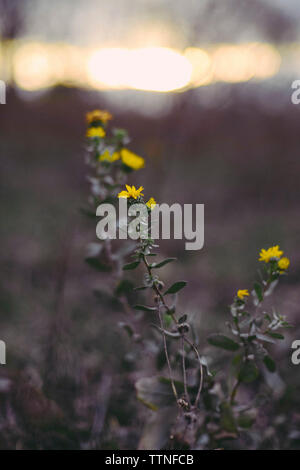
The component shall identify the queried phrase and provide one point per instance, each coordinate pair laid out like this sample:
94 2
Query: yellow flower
132 160
242 293
131 192
98 115
106 156
151 203
272 252
95 132
283 263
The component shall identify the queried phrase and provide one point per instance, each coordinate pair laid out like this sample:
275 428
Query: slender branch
187 397
157 291
183 336
234 392
200 369
167 354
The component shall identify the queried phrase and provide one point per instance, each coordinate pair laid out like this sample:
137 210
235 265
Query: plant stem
167 354
234 392
200 369
184 339
187 397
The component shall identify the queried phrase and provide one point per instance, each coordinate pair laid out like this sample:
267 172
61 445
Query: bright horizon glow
38 65
151 68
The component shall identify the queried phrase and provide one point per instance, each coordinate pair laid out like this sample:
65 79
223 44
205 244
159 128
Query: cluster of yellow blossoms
128 158
274 253
132 192
97 120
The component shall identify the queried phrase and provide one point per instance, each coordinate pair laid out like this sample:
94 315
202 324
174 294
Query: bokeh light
202 66
151 68
33 66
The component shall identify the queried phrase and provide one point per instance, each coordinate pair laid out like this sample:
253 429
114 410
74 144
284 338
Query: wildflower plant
253 329
200 393
170 324
110 162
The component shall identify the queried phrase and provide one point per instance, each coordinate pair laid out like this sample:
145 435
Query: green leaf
167 320
182 319
227 418
162 263
248 372
96 264
258 291
133 265
251 338
177 286
221 341
275 335
144 308
124 287
245 421
269 363
236 363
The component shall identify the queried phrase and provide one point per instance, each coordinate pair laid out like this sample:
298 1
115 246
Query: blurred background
204 89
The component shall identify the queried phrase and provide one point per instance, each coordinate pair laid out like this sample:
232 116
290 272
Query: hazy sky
176 23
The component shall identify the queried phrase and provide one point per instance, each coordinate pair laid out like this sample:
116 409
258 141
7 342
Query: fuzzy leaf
96 264
222 341
227 418
167 320
248 372
133 265
177 286
275 335
258 291
163 263
246 421
269 363
144 308
182 319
